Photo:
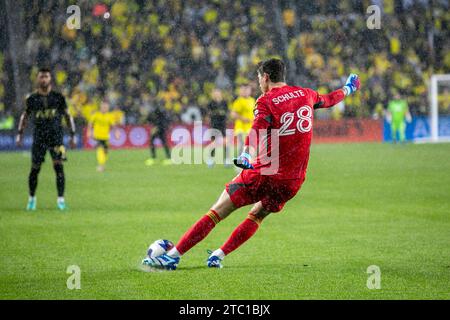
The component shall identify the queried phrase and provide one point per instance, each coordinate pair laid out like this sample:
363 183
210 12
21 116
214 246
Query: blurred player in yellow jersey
99 128
242 114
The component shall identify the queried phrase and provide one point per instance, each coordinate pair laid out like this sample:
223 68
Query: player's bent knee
260 215
224 206
258 212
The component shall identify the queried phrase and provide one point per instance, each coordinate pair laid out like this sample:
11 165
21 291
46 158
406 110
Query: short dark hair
44 70
275 68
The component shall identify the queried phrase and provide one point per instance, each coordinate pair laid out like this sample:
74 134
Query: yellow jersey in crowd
243 107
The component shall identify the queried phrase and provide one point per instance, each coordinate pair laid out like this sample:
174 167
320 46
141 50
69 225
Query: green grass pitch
361 205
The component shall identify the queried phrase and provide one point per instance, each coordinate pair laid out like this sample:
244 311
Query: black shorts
103 143
40 147
159 132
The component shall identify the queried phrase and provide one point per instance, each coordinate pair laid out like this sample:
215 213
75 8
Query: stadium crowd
173 53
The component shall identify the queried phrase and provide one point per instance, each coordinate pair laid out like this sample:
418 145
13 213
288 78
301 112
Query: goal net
439 117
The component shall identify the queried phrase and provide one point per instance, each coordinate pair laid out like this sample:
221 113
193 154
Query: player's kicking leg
219 211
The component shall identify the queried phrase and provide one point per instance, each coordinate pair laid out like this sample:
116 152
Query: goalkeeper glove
243 161
352 84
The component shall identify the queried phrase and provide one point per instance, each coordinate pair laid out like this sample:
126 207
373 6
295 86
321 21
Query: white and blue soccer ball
159 247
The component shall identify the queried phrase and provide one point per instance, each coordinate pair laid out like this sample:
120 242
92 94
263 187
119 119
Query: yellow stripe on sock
213 217
254 219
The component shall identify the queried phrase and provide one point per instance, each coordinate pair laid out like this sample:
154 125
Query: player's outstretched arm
328 100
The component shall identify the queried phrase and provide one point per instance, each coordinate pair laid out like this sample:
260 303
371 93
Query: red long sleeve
329 100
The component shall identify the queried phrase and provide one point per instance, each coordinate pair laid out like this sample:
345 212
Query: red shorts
250 187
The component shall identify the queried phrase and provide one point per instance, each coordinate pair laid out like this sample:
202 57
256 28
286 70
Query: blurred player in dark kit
217 113
160 120
46 108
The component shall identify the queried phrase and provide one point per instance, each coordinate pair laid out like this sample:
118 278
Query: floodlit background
366 200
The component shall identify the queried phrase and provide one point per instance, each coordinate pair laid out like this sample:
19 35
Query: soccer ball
159 247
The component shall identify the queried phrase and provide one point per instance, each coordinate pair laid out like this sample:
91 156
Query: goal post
438 84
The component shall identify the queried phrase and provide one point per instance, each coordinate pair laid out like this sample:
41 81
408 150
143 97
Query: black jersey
160 118
46 112
218 113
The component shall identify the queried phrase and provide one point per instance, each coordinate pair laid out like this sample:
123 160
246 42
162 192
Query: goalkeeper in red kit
281 134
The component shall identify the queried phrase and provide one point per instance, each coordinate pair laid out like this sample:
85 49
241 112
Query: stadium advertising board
328 131
325 131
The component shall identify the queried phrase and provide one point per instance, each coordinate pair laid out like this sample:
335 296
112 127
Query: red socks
241 234
204 226
198 231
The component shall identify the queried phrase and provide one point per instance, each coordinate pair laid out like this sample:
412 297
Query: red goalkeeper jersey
282 129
